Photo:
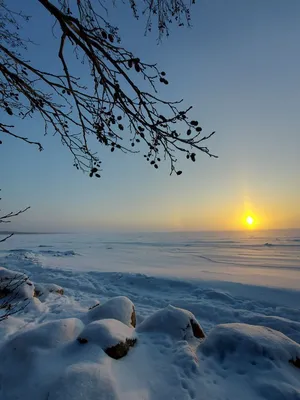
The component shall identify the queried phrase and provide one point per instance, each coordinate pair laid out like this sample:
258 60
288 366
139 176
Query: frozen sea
259 265
263 258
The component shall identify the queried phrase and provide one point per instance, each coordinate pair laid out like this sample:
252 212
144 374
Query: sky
239 67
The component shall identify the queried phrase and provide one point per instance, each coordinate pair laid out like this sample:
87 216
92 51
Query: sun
250 220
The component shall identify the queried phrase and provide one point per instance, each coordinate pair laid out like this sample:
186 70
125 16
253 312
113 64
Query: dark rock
121 349
197 331
37 293
82 340
133 317
58 291
295 362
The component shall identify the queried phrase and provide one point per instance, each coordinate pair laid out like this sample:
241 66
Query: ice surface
240 257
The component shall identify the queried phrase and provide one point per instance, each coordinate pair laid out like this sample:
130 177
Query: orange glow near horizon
252 216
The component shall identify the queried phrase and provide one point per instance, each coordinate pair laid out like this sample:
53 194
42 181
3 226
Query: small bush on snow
15 292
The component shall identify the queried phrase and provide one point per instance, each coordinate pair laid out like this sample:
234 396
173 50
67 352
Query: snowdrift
107 351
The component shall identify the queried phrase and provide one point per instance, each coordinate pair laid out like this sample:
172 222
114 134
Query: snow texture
67 358
252 326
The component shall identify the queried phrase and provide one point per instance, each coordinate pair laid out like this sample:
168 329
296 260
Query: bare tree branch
6 237
11 301
118 109
5 219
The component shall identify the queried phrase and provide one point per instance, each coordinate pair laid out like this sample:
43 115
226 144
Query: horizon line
143 231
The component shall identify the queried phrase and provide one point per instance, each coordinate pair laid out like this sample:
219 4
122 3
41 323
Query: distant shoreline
142 232
32 233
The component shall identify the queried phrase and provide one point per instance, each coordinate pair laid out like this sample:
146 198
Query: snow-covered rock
6 274
176 322
39 290
114 337
47 335
42 290
15 285
53 288
247 342
119 308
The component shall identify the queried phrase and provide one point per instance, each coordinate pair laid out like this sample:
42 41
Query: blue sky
239 67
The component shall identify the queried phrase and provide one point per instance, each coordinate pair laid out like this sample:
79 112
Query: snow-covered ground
242 289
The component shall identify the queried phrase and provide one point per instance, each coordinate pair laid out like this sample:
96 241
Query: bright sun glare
249 220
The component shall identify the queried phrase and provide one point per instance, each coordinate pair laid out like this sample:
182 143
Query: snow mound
114 337
6 274
176 322
248 342
9 326
107 333
84 381
278 391
48 335
32 358
19 294
16 295
217 295
15 284
55 253
42 290
119 308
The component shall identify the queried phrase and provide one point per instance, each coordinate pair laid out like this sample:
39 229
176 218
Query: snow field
57 348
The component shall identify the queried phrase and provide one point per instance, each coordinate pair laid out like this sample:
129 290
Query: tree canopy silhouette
118 109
